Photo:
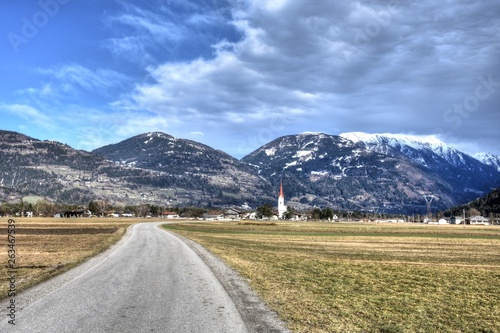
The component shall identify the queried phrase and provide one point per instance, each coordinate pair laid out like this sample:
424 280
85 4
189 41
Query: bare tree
101 206
473 212
141 210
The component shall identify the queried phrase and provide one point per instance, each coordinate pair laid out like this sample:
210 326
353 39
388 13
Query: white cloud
253 70
94 128
75 77
373 67
148 33
31 115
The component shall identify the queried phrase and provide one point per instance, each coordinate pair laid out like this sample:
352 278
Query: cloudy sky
235 74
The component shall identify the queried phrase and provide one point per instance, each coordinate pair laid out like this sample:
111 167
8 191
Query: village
267 212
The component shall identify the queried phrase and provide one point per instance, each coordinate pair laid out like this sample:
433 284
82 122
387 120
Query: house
251 216
213 216
479 220
454 220
170 215
232 214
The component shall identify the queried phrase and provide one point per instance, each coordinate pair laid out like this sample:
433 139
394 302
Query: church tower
281 202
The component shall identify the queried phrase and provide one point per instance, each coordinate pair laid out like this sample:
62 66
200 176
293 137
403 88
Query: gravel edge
254 312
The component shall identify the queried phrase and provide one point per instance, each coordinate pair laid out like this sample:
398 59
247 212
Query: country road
150 282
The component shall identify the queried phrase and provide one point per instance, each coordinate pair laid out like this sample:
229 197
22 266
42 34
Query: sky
236 74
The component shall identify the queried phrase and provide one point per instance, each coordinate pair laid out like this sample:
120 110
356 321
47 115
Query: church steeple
281 202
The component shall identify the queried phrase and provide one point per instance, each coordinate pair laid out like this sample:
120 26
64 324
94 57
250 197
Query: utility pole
428 199
375 210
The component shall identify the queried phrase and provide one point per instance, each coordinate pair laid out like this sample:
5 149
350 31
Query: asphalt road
150 282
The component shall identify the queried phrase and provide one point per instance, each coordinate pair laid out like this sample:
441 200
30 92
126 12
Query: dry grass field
365 277
46 246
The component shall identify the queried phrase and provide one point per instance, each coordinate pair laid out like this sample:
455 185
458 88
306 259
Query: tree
327 214
316 214
473 212
141 210
99 207
45 208
288 214
155 210
264 211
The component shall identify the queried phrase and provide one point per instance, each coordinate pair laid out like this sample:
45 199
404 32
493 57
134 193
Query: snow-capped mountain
418 148
432 155
359 171
489 159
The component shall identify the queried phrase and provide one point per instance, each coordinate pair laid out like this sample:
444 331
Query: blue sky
236 74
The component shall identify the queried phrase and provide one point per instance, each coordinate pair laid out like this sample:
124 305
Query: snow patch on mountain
410 145
270 152
304 155
413 141
488 159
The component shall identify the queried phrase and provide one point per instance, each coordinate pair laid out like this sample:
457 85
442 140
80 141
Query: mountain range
351 171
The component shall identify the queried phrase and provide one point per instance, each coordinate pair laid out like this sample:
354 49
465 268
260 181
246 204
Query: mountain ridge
348 171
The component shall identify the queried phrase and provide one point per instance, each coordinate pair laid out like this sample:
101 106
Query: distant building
232 214
170 215
479 220
213 216
281 202
455 220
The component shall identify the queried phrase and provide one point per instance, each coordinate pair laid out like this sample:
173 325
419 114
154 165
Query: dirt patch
257 223
61 231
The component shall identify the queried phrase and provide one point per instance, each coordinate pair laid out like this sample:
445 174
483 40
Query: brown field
46 246
365 277
319 277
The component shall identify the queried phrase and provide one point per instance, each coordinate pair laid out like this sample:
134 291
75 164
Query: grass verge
365 277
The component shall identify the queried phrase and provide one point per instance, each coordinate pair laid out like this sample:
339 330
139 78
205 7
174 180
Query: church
281 202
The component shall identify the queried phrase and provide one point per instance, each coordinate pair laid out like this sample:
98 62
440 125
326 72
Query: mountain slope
58 172
214 170
31 166
353 173
486 205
